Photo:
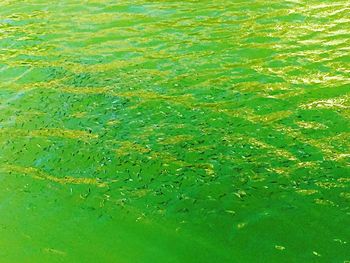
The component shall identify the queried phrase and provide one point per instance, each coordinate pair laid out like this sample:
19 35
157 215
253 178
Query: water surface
174 131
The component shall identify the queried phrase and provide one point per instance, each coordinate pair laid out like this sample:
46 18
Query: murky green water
168 131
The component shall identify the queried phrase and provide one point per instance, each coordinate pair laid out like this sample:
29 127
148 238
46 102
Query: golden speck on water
230 212
339 240
55 251
241 225
316 253
278 247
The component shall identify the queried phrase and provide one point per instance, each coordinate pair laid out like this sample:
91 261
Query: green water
169 131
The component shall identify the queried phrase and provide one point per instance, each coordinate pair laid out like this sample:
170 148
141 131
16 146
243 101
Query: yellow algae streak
332 103
311 125
307 191
280 152
38 174
69 134
175 139
272 117
325 147
126 147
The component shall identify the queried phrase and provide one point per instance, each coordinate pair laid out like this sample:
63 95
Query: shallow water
168 131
